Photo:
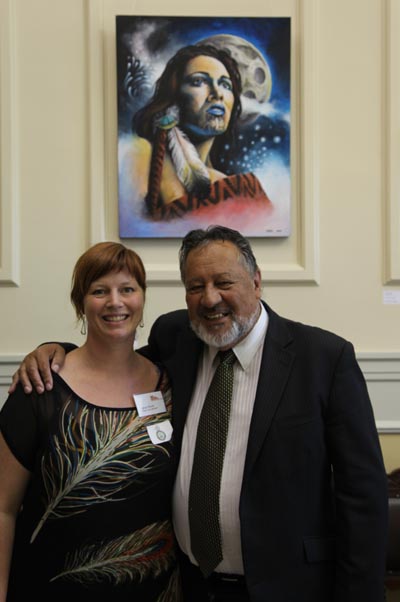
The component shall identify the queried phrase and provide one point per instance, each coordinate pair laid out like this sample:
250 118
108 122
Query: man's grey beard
239 329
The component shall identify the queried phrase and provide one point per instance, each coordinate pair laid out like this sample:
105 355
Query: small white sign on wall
391 297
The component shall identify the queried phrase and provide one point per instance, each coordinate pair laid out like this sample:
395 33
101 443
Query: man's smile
215 316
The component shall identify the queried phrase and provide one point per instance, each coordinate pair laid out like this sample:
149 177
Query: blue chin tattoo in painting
198 133
212 124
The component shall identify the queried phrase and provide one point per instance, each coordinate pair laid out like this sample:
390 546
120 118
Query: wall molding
381 372
8 365
391 140
9 226
305 149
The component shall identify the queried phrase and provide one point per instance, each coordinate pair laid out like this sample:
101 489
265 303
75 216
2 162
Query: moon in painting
253 68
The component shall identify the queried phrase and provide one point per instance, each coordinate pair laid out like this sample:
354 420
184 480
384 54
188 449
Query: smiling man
222 295
298 485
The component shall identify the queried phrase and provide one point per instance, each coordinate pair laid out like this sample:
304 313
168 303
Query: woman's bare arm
14 479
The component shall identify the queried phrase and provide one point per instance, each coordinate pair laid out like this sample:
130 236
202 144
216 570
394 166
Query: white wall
58 192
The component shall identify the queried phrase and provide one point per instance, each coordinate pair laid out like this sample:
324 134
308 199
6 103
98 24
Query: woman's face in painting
207 98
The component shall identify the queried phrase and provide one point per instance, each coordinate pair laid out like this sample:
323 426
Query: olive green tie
212 431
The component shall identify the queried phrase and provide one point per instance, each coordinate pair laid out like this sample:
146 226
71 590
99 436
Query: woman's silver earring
141 323
84 325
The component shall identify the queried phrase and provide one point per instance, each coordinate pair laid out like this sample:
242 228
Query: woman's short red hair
101 259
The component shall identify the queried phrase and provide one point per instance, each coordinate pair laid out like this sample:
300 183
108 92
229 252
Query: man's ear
257 283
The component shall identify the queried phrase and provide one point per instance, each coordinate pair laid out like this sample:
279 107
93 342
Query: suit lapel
182 368
275 368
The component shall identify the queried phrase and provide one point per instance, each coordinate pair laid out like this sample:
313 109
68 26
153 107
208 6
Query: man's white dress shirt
246 370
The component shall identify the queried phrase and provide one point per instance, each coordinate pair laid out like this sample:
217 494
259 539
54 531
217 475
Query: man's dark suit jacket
313 504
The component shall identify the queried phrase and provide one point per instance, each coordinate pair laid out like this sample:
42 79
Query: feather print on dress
145 553
173 591
96 455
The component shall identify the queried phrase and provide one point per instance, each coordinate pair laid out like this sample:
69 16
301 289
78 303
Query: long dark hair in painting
167 93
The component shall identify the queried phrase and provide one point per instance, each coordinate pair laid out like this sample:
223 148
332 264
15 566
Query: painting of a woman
173 173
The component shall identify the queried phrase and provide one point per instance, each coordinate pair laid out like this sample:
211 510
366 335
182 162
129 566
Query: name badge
148 404
160 432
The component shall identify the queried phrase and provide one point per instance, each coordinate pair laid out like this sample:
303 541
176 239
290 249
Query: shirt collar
247 348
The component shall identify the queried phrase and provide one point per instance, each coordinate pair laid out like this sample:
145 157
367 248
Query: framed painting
203 125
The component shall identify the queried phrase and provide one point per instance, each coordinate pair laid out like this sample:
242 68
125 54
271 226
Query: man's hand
35 368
